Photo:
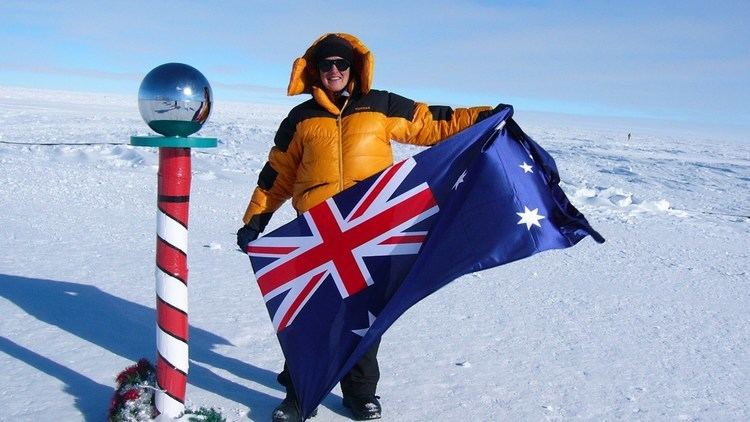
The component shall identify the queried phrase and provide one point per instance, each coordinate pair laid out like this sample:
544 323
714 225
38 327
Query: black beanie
333 45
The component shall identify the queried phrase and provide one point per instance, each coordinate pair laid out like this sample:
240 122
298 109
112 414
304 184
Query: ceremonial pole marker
175 100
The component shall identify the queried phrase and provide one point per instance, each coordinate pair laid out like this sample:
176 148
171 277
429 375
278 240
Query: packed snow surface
651 325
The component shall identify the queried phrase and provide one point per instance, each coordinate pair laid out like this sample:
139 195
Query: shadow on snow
106 320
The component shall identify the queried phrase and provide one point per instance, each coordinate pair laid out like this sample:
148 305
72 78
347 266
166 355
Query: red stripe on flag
339 248
299 300
375 191
277 250
395 240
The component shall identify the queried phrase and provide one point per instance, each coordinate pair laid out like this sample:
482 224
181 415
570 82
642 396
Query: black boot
288 411
363 408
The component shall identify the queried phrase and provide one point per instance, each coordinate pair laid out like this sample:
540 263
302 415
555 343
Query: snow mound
616 199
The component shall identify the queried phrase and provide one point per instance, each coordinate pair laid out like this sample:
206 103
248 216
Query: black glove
246 235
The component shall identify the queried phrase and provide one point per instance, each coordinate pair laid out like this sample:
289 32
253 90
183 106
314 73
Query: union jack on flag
380 224
336 277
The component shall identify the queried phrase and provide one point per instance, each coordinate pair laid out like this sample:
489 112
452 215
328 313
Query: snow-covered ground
652 325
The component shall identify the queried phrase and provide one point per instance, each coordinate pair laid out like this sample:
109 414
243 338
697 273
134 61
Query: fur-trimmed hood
305 79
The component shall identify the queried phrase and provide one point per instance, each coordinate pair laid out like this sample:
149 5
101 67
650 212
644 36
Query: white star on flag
530 217
526 168
362 331
460 180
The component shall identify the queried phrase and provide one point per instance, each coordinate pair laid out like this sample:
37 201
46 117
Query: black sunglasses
325 65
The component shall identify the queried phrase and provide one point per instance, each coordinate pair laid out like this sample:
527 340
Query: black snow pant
360 381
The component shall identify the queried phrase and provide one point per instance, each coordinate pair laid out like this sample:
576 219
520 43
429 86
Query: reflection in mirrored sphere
175 99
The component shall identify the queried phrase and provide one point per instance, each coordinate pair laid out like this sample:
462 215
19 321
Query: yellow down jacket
321 149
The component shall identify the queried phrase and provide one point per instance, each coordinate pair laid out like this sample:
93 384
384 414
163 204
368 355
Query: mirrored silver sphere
175 99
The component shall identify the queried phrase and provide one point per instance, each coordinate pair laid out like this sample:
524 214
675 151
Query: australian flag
335 278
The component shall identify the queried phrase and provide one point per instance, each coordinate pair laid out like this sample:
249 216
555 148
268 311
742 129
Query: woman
327 144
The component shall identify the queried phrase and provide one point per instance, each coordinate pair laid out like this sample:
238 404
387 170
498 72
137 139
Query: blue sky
681 60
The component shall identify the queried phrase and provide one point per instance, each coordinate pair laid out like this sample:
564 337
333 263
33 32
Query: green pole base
172 142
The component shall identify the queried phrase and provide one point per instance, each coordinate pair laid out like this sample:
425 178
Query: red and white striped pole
171 280
175 100
173 202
